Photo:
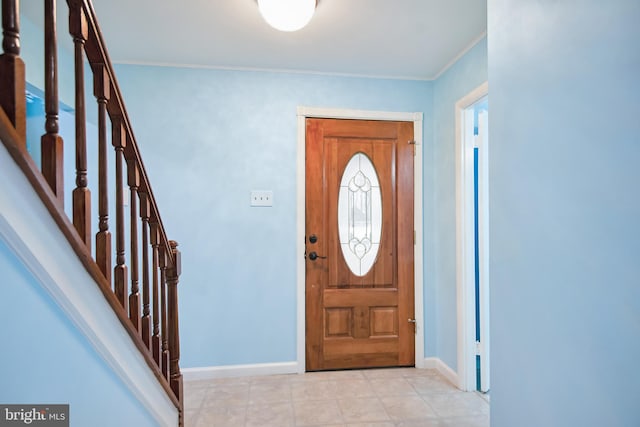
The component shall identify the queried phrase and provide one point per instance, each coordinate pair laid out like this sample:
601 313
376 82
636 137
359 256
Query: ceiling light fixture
287 15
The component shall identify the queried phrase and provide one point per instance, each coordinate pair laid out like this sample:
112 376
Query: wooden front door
359 244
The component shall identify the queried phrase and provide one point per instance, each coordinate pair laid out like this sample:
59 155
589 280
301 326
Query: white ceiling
414 39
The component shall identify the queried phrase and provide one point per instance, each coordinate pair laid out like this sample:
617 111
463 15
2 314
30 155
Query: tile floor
405 397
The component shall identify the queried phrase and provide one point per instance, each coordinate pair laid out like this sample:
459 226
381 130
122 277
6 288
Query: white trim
465 284
417 119
462 53
274 70
31 233
300 247
337 113
418 224
443 70
232 371
443 369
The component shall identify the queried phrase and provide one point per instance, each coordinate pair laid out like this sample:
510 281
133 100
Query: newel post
173 275
12 78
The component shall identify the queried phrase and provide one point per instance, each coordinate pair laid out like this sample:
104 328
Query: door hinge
478 349
414 237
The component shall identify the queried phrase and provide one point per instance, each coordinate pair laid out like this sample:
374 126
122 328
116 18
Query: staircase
129 258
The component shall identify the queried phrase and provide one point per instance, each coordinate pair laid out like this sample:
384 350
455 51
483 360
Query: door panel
356 320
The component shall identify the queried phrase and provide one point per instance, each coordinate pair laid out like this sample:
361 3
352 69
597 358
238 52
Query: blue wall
47 361
32 53
565 231
208 137
465 75
66 121
45 358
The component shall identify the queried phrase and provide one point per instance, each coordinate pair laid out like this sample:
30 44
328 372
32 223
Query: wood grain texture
103 237
12 73
52 163
120 276
358 321
146 297
156 344
81 194
173 275
165 356
315 272
133 179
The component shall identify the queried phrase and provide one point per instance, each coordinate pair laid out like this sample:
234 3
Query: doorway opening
472 240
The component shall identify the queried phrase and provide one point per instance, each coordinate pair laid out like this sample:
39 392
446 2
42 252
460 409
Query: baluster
155 339
81 194
146 321
134 297
101 89
51 143
163 311
173 275
12 77
119 140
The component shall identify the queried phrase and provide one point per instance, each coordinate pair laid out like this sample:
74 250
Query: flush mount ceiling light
287 15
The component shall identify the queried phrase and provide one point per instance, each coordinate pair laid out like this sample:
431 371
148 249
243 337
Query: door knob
411 320
314 256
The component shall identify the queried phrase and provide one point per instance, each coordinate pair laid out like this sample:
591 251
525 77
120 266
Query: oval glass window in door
359 214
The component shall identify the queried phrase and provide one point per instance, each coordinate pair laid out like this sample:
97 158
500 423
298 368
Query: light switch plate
261 198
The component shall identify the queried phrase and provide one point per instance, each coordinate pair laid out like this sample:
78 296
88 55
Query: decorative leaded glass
359 214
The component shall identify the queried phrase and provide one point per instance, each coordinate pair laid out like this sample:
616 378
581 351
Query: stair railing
147 306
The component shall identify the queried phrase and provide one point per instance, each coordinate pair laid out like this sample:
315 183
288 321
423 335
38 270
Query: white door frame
465 244
330 113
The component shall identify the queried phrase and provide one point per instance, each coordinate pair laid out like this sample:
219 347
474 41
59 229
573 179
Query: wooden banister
103 237
146 314
163 312
149 313
13 84
51 142
119 140
13 143
173 276
156 343
96 52
133 180
81 194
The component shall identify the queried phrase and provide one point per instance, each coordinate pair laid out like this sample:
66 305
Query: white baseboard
229 371
264 369
443 369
